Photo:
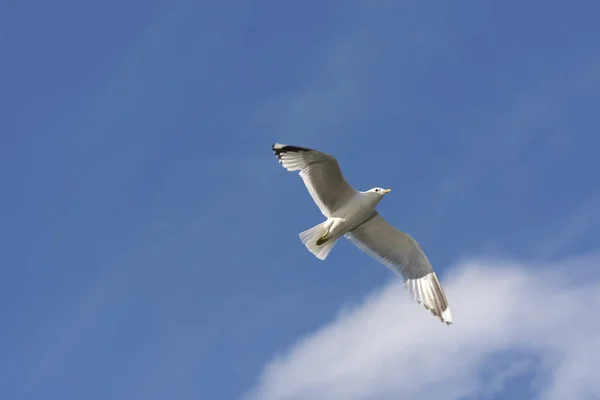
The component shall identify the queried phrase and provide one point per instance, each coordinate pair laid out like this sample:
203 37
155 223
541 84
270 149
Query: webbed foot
323 238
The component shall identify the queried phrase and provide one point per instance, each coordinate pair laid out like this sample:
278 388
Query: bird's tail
312 236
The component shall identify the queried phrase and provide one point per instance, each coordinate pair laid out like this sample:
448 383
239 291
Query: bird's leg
323 238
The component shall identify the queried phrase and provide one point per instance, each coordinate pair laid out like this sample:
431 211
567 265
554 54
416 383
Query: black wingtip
279 149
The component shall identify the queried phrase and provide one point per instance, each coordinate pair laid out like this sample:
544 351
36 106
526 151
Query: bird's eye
377 190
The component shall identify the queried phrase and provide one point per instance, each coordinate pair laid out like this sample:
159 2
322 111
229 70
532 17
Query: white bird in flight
352 214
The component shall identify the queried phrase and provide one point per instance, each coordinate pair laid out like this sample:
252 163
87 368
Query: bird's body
353 214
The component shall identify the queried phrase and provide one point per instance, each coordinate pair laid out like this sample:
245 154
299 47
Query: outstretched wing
321 174
401 253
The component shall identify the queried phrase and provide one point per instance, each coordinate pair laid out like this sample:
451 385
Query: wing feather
401 253
321 174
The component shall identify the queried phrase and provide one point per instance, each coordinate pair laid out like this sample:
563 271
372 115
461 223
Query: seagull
352 214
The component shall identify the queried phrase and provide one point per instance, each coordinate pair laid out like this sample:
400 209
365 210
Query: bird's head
379 191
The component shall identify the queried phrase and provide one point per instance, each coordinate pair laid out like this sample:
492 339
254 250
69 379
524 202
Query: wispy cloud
499 147
513 318
576 224
327 101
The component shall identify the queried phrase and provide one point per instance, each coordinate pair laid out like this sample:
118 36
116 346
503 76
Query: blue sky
149 237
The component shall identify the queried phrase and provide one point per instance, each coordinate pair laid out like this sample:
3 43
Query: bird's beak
387 190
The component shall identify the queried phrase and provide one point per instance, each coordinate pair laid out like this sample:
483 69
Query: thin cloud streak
534 114
578 222
320 109
387 346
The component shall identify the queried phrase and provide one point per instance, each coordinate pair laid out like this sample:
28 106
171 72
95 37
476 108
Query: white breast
356 211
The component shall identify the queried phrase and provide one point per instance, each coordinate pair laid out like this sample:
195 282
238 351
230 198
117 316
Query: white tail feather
310 236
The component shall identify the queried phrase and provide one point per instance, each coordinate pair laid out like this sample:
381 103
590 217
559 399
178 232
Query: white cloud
511 319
